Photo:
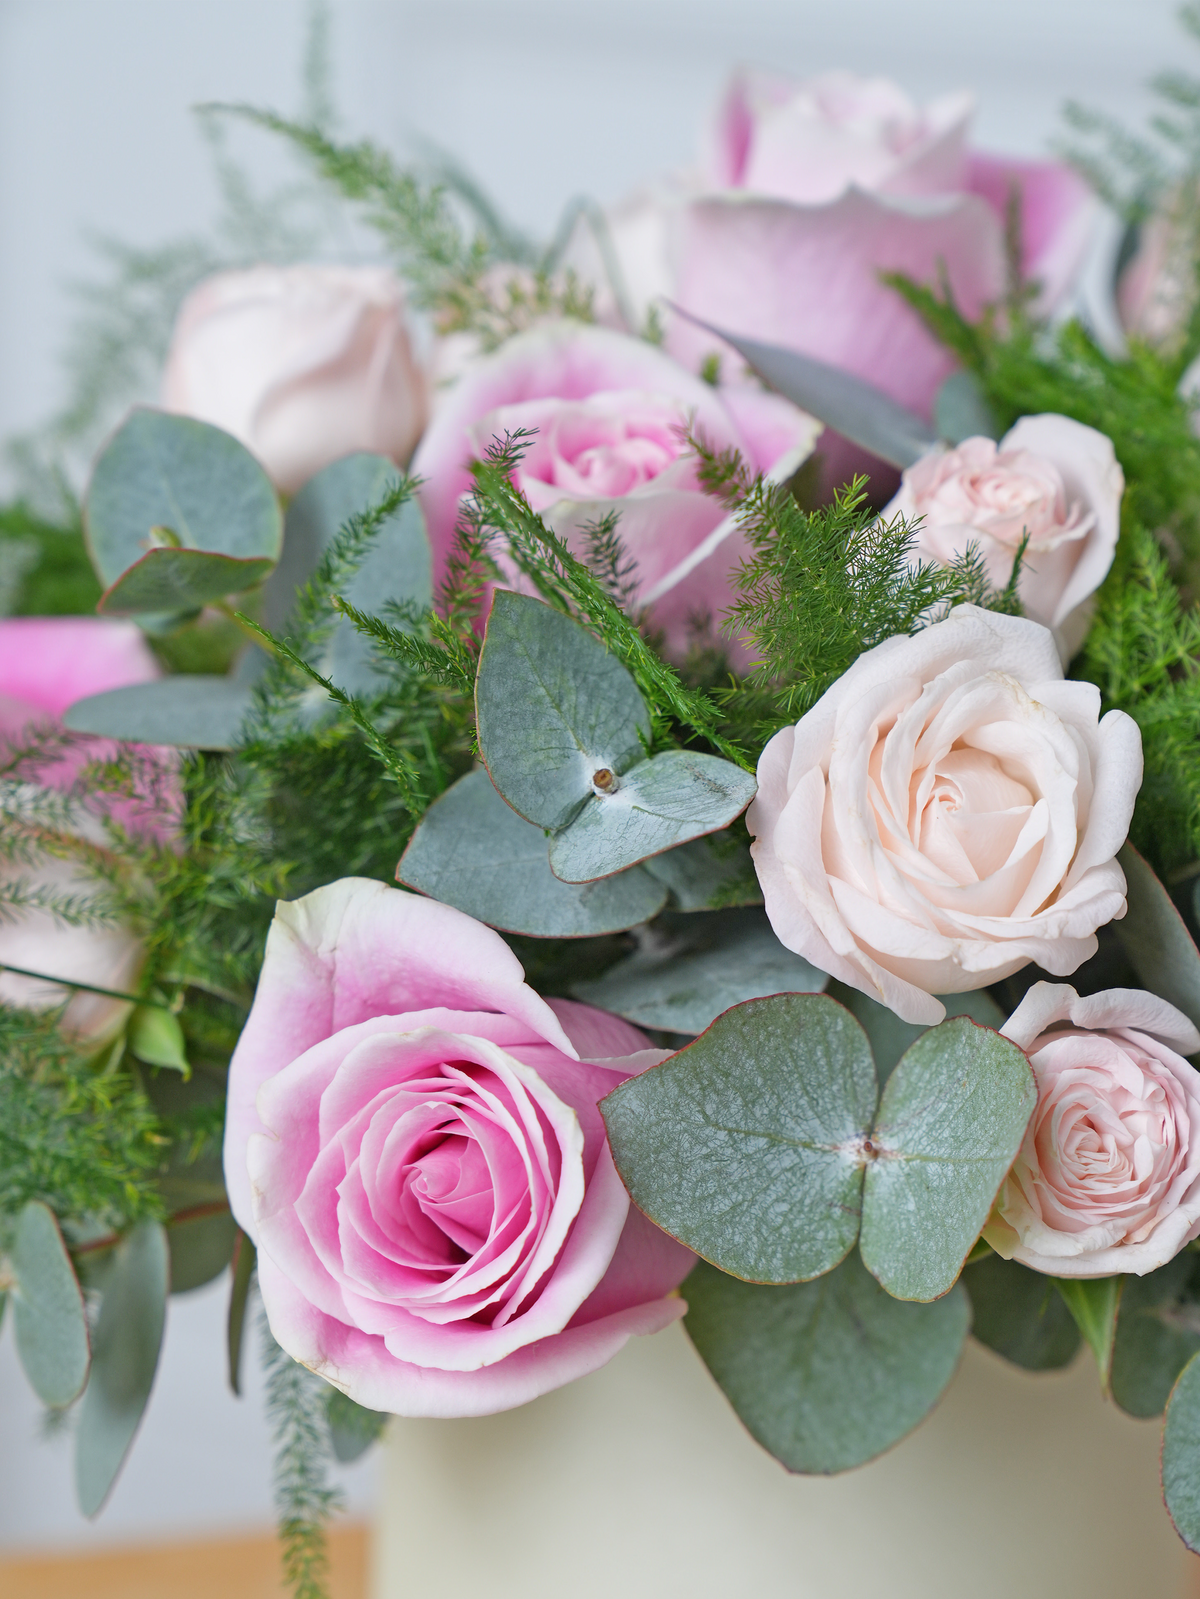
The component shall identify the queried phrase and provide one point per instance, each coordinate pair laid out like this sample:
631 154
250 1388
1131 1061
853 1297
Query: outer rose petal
1058 216
52 661
1047 1004
331 961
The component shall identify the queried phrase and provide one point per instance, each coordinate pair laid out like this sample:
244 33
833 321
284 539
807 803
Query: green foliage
44 568
304 1501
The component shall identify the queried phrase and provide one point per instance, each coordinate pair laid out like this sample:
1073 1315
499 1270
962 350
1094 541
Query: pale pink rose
1108 1177
1156 291
948 811
414 1145
303 364
610 412
1050 477
46 663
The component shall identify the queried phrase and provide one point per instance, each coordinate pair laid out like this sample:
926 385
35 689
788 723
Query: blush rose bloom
303 364
413 1144
1049 476
1108 1177
46 663
947 812
609 413
806 193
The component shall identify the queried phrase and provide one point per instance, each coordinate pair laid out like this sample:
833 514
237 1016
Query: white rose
947 812
303 364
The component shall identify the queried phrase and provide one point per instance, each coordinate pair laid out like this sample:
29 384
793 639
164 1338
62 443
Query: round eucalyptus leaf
1158 1332
171 581
189 711
352 1428
745 1145
553 708
828 1374
48 1312
707 874
961 410
1181 1455
173 481
652 807
201 1248
1156 939
691 968
1020 1314
950 1124
124 1360
890 1037
474 852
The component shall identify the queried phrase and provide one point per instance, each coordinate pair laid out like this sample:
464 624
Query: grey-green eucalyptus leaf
706 873
1157 1333
124 1360
828 1374
168 485
949 1126
1156 940
189 711
654 806
690 968
201 1248
961 410
553 708
1181 1455
48 1311
1019 1314
352 1428
890 1037
167 581
746 1144
474 852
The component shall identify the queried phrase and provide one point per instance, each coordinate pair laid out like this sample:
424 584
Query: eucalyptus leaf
690 968
828 1374
167 485
188 711
950 1124
890 1037
553 708
1094 1302
352 1428
706 873
1157 1333
201 1248
961 410
1156 939
847 404
48 1310
1018 1314
397 568
744 1145
474 852
156 1037
1181 1455
124 1360
170 580
652 807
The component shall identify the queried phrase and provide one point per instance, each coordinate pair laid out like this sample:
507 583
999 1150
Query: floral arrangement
547 792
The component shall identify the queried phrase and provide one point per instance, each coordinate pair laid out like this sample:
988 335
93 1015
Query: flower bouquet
651 778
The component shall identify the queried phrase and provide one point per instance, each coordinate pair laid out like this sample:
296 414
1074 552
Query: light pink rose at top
303 364
1108 1177
947 812
609 413
1050 477
413 1143
46 663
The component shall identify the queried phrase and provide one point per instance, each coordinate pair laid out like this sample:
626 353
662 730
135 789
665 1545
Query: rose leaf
826 1374
48 1311
746 1145
189 711
950 1124
1156 939
124 1359
169 497
554 709
474 852
691 968
1094 1303
653 807
1017 1313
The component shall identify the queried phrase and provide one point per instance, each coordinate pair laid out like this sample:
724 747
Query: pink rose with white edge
413 1144
1108 1177
948 811
1050 477
610 413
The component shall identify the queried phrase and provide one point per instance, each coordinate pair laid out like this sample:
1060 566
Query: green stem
88 988
256 635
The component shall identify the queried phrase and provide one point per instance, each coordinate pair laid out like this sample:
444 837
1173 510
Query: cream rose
303 364
1050 477
1108 1177
948 811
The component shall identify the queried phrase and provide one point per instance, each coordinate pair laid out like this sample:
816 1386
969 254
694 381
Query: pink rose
46 663
808 192
1050 477
413 1143
610 413
303 364
948 811
1108 1177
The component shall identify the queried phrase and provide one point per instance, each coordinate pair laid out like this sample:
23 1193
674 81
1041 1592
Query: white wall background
543 99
